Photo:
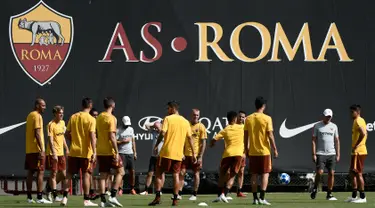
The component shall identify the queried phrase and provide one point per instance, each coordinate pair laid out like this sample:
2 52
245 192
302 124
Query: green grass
282 200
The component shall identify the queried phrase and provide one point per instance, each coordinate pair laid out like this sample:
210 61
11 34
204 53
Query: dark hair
86 102
38 101
173 104
259 102
57 109
355 107
231 115
241 111
92 111
108 102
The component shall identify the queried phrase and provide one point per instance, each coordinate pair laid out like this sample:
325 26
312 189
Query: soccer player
35 154
128 150
359 153
94 113
81 133
325 151
233 135
199 134
154 130
241 173
175 130
259 138
108 153
56 162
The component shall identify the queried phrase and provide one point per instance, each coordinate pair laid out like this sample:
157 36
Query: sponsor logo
41 39
370 127
210 40
142 125
11 127
287 133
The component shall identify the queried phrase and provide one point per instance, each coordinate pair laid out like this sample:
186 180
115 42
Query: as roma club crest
41 39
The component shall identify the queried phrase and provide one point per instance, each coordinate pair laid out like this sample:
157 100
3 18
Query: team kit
96 142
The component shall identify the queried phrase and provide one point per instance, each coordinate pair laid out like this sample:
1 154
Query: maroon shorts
59 165
357 163
106 163
166 165
34 163
188 163
260 164
243 162
77 163
232 164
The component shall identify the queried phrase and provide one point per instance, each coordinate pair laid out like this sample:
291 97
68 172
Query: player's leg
223 178
320 164
330 165
353 177
40 179
150 173
196 184
240 178
65 183
117 182
161 165
73 168
265 168
86 167
360 181
30 175
175 168
254 170
181 180
104 170
131 174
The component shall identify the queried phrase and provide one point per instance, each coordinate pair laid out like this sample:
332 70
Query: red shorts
59 165
357 163
34 163
106 163
188 163
166 165
231 163
76 163
260 164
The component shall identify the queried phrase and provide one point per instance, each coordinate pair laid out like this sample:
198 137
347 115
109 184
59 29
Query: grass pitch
282 200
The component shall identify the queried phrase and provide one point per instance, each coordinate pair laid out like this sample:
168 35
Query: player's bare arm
134 149
52 148
362 134
66 147
202 149
246 142
273 143
160 138
314 148
112 136
39 141
337 146
93 145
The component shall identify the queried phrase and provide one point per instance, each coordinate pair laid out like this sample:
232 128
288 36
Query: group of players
180 145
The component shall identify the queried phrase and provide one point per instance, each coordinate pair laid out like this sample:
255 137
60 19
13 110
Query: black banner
216 56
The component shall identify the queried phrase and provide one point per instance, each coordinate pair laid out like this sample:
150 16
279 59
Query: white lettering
217 123
207 123
370 127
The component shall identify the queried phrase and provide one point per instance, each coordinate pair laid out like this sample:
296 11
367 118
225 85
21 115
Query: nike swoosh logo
287 133
8 128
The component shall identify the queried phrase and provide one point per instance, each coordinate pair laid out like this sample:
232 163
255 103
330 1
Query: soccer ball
284 178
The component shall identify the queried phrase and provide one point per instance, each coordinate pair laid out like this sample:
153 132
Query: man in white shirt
127 149
154 129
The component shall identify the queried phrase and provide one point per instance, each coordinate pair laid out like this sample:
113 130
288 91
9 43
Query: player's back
80 125
105 123
258 125
176 129
233 139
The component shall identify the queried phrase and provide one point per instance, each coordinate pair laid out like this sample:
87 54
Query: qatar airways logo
332 41
213 126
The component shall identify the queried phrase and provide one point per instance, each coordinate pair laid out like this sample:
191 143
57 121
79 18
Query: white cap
126 121
328 112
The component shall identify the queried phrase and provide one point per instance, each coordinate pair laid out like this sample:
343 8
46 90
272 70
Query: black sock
106 189
54 193
29 195
226 191
354 193
146 188
180 193
86 197
157 193
39 195
91 191
48 187
65 194
239 190
194 193
315 187
329 193
262 194
220 191
102 198
362 194
255 195
175 196
113 193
